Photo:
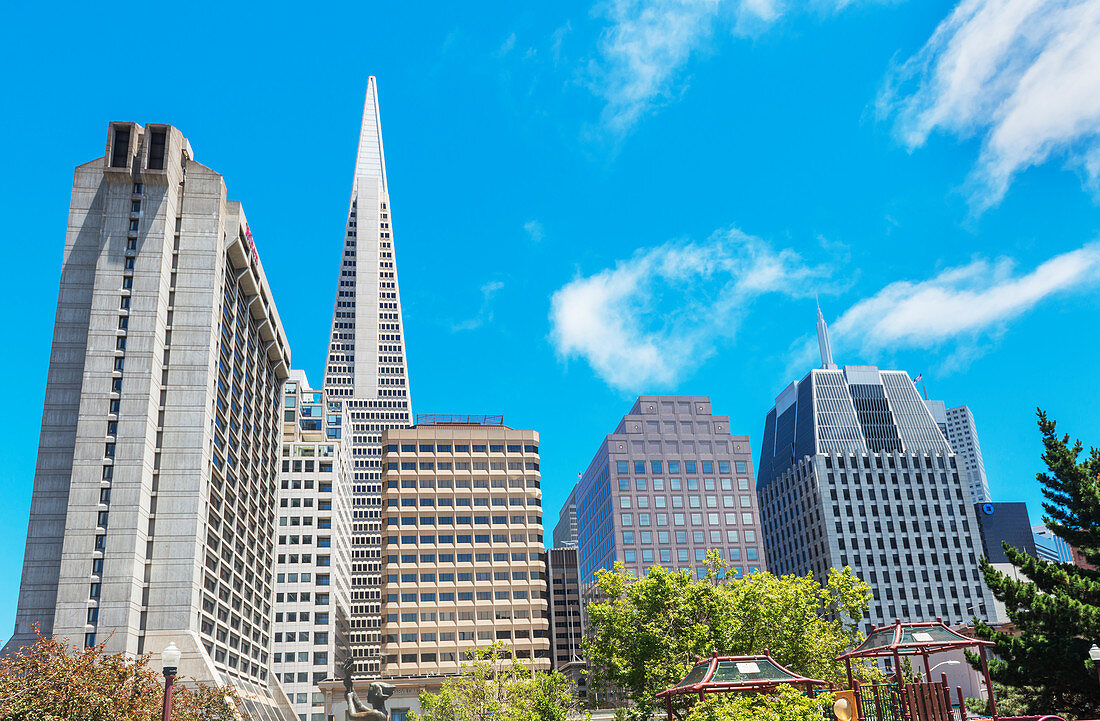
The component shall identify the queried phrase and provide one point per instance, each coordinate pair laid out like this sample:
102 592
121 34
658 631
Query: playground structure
899 700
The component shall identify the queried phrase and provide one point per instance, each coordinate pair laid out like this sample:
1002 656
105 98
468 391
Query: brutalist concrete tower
153 511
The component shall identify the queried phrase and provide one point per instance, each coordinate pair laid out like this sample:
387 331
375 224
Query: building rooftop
453 419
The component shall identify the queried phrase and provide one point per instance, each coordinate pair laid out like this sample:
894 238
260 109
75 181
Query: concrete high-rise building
153 512
462 544
367 370
566 628
565 532
855 472
312 563
1050 547
670 484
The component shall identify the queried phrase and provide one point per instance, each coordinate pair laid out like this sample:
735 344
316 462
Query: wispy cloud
958 310
647 44
1023 75
485 312
534 230
653 317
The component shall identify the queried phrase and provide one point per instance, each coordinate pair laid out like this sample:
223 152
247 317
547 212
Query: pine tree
1057 610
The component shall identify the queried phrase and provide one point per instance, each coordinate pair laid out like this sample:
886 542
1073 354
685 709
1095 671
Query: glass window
656 467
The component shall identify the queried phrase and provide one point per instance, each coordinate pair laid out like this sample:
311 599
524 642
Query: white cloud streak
535 231
960 304
485 312
647 44
1023 75
651 318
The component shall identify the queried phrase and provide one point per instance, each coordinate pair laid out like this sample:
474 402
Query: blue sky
592 201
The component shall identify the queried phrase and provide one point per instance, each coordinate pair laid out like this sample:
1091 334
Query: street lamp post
1094 654
941 663
170 657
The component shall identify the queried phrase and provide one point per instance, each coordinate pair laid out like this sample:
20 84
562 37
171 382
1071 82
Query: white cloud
650 318
648 42
534 230
485 312
960 304
1023 75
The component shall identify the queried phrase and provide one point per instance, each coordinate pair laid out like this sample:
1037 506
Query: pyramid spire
823 342
366 366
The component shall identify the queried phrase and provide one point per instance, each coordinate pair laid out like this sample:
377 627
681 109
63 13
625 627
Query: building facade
566 624
1050 547
962 434
1004 523
854 471
462 545
669 485
153 510
565 532
313 554
366 369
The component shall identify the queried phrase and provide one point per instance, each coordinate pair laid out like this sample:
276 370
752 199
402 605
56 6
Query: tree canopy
52 681
495 686
646 632
1056 611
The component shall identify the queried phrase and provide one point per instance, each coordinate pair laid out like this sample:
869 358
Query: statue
377 693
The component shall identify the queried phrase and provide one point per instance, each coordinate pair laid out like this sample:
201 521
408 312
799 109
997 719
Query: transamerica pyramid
366 368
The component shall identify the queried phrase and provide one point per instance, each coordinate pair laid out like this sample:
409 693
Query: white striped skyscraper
366 368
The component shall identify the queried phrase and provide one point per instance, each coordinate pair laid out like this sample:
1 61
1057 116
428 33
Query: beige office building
462 544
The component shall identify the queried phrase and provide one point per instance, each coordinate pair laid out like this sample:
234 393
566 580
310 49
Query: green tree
495 686
786 704
1057 610
52 681
647 632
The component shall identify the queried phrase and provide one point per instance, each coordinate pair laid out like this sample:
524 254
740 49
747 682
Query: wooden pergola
918 639
736 674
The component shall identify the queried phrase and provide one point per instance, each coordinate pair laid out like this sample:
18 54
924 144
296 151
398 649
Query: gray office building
855 472
153 511
565 532
670 484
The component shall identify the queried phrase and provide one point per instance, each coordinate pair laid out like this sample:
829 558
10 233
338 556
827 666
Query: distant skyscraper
957 426
962 434
1050 547
565 532
366 368
854 471
153 512
667 486
313 564
566 629
463 564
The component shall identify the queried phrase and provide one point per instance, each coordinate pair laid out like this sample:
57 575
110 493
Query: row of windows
460 520
678 501
466 577
676 484
463 466
698 537
461 448
657 467
450 596
679 519
683 555
481 557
